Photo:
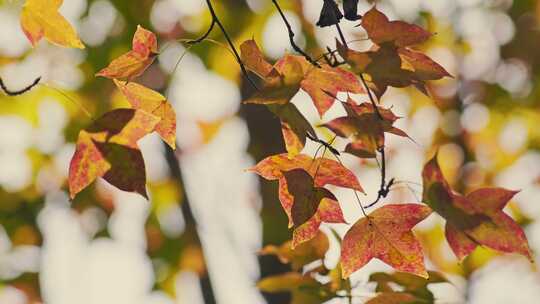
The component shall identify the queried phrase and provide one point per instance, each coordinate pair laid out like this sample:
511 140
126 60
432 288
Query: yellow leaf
40 18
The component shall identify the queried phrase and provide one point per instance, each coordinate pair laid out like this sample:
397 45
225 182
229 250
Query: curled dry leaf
108 149
473 219
386 235
133 63
40 18
330 14
150 101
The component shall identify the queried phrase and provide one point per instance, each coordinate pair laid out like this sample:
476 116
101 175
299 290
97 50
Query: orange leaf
40 18
290 73
133 63
386 234
365 128
394 298
474 219
380 30
109 149
150 101
310 251
329 172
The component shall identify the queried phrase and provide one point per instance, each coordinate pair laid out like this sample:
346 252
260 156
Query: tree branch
19 92
291 36
215 20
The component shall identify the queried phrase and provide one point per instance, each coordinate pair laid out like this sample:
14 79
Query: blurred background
197 239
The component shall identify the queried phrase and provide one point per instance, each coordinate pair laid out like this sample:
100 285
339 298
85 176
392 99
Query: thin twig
216 20
291 36
19 92
205 35
325 144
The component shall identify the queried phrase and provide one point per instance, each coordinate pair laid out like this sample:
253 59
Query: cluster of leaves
108 149
386 233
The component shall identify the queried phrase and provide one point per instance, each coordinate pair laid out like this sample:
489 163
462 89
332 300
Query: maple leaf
40 18
324 172
386 235
380 30
365 127
150 101
301 255
133 63
108 149
329 172
473 219
306 206
292 73
390 66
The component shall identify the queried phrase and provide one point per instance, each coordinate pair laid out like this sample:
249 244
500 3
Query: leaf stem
291 36
215 20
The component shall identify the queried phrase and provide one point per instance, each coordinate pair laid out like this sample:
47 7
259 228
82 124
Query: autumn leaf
108 149
364 126
306 197
303 288
133 63
294 126
325 172
150 101
474 219
40 18
329 172
380 30
393 298
292 73
386 235
301 255
407 283
306 206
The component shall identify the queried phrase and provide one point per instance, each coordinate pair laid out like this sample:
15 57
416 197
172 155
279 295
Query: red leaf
133 63
109 149
474 219
386 234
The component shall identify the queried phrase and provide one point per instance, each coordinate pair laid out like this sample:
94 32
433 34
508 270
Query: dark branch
19 92
205 35
325 144
291 36
216 20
